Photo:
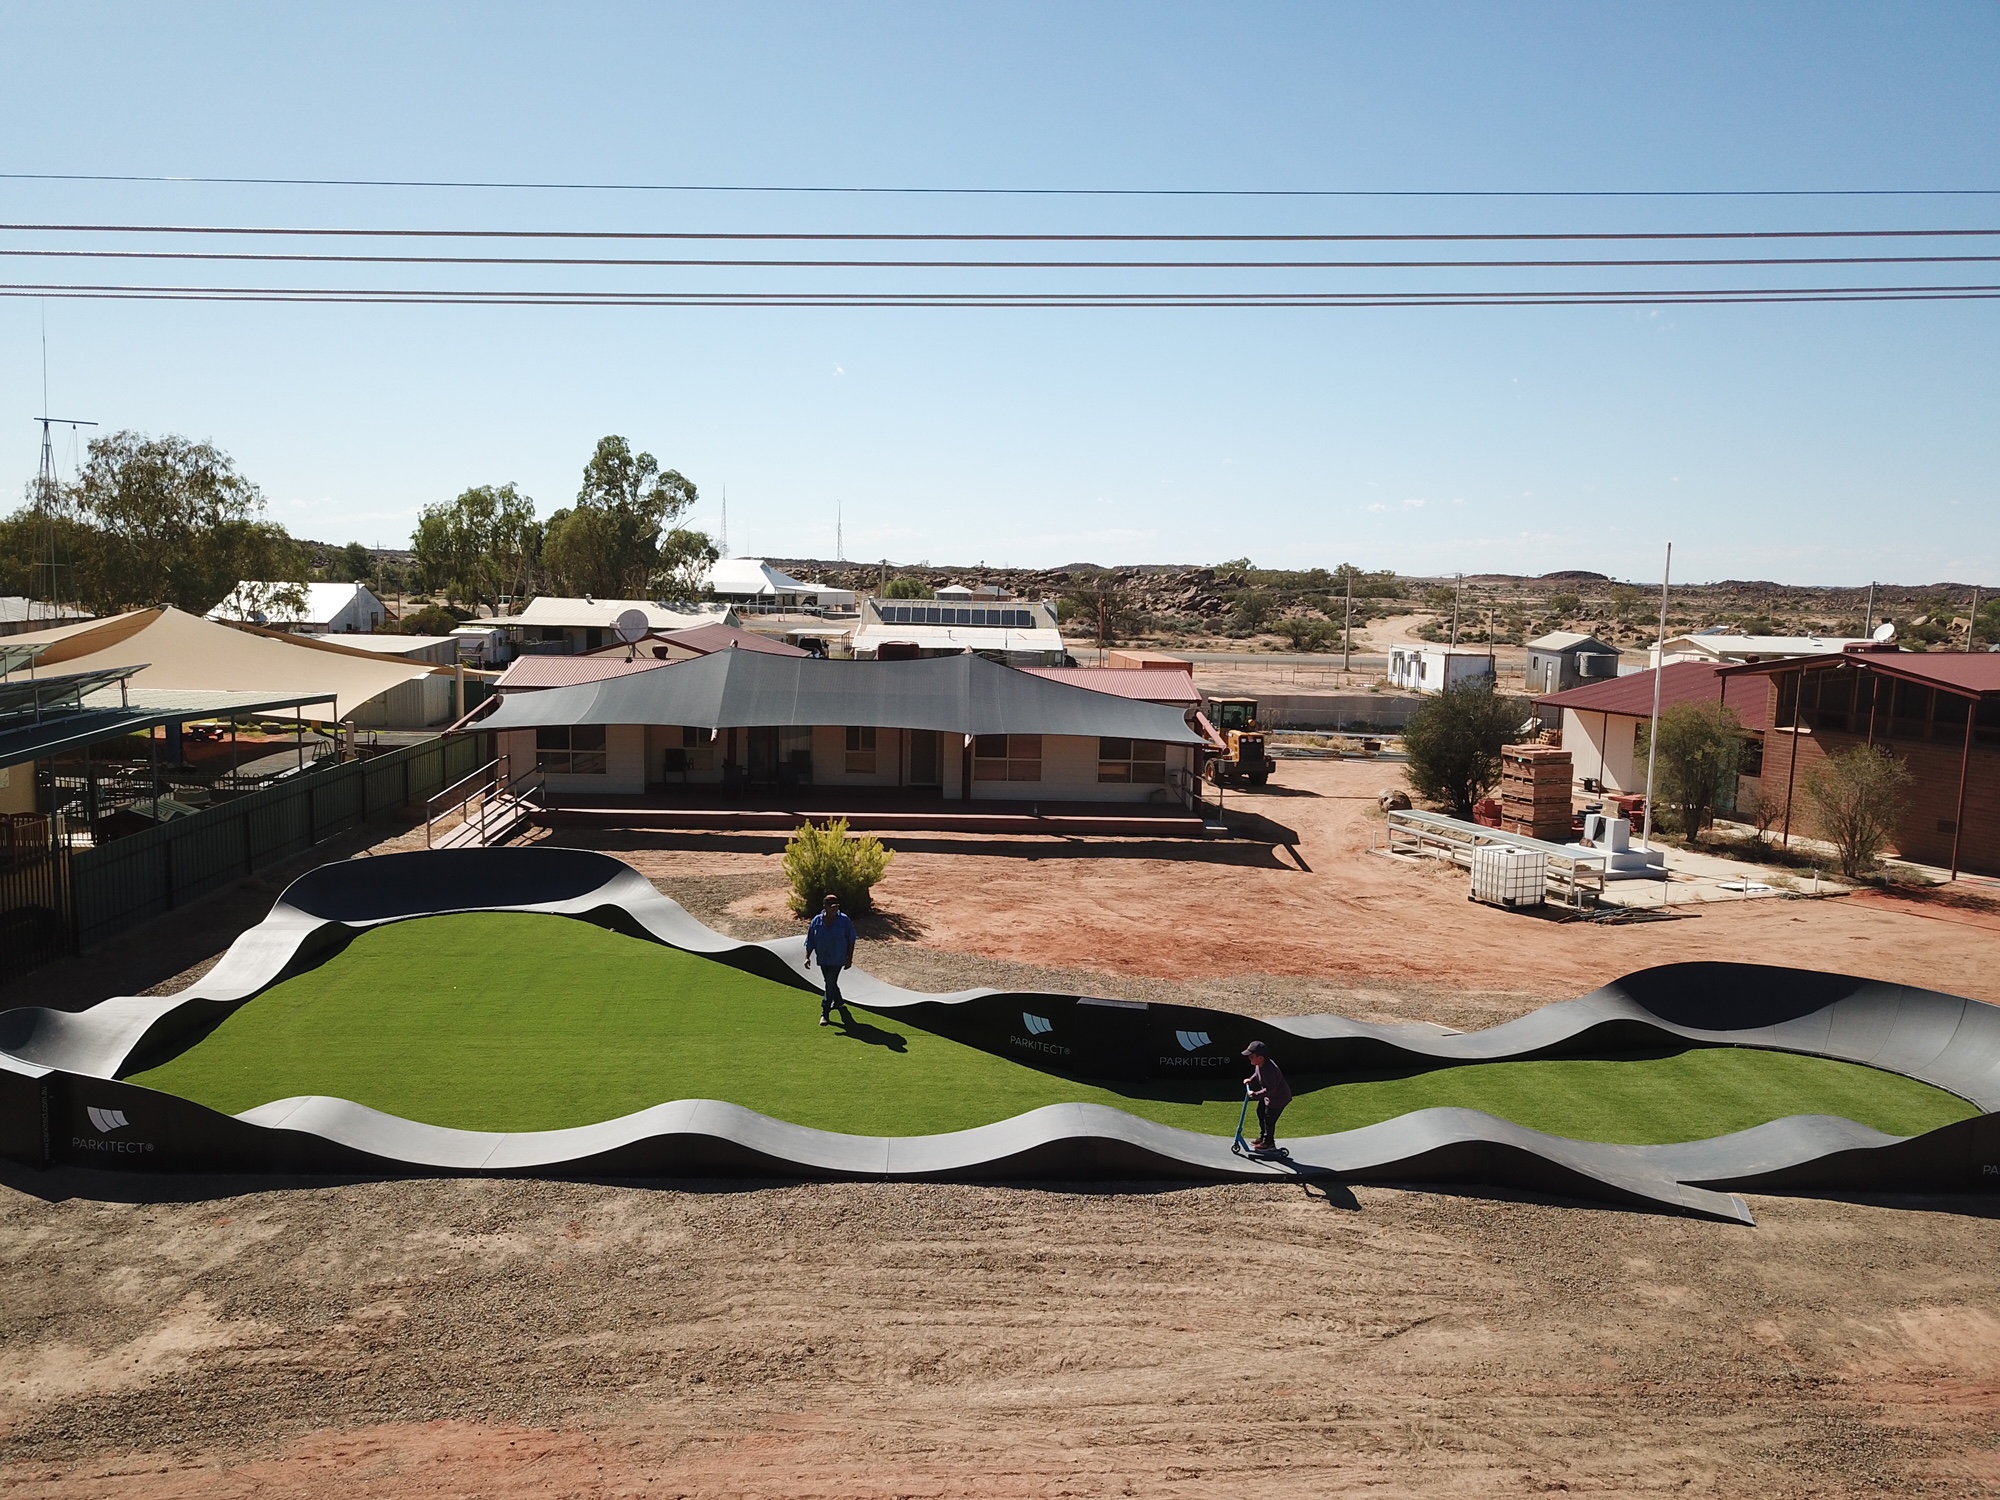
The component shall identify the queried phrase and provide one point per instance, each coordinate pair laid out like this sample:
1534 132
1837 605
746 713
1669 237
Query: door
926 758
763 756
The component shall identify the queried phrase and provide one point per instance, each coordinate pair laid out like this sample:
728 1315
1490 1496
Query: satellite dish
1885 632
632 626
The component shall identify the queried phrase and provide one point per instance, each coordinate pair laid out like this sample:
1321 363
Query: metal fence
149 873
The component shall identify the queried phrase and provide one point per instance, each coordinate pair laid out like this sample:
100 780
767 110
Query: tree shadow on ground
888 926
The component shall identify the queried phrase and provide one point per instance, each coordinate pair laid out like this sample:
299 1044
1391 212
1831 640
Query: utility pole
839 531
1347 630
722 544
1456 590
1868 625
1972 620
1659 675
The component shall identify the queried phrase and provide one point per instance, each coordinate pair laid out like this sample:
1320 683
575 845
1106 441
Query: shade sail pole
1659 676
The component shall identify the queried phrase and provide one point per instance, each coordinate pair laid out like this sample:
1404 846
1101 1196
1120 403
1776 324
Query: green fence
167 866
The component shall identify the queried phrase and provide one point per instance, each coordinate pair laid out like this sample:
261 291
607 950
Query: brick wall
1926 833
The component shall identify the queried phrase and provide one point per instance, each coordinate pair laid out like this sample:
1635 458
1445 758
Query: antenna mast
839 531
724 547
45 481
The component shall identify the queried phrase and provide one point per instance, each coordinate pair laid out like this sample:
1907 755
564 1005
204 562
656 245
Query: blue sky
1805 443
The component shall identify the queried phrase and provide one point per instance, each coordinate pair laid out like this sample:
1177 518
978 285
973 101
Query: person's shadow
874 1036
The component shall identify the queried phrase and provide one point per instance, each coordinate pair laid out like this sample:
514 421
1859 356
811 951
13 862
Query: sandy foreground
446 1338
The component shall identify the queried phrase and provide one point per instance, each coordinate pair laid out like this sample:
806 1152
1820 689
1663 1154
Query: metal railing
145 874
486 805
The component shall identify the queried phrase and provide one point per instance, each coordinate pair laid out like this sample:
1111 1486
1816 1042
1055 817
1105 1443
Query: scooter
1245 1149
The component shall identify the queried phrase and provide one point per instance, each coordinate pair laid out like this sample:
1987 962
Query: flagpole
1659 675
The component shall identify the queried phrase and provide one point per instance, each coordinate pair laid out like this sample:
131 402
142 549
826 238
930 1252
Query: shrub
828 861
1253 609
1857 798
1304 633
1701 745
1454 742
902 586
432 619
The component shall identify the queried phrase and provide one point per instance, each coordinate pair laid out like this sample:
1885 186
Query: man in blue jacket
831 939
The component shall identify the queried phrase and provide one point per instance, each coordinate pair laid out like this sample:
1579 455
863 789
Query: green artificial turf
503 1021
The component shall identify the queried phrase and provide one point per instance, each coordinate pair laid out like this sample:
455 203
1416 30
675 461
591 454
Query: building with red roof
1602 721
1936 711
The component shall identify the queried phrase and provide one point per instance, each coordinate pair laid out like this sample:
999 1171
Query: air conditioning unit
1505 876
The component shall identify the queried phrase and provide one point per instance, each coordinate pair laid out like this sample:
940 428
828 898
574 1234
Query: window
1752 764
570 750
1007 757
1835 701
694 753
1910 711
860 750
1132 760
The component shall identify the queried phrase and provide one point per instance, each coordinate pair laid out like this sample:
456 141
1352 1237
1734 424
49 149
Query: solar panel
39 697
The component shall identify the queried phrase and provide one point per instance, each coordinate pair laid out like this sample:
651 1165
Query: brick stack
1535 792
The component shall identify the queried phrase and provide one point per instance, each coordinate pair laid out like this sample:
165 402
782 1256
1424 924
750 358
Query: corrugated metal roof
1156 686
1974 673
745 689
1717 643
707 638
1564 640
536 672
107 714
1683 682
602 614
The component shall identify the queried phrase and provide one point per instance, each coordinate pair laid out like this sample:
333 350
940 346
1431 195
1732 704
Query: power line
902 237
1505 298
742 262
865 190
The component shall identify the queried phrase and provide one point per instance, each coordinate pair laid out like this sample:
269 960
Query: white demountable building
1717 646
1017 633
756 585
1434 669
328 608
559 626
1564 659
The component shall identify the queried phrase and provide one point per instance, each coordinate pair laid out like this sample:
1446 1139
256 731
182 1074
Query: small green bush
828 861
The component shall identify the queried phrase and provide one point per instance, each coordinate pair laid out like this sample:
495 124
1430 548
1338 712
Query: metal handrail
440 804
490 791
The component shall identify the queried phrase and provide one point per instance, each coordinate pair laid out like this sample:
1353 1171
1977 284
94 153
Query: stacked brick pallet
1535 792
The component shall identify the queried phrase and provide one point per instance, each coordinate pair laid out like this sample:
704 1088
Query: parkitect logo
1038 1027
107 1122
1191 1042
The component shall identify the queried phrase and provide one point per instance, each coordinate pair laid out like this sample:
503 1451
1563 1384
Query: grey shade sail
746 689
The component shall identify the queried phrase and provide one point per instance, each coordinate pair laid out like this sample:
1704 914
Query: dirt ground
1315 923
502 1338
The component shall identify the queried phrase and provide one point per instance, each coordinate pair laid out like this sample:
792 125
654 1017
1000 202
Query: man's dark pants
830 974
1267 1121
